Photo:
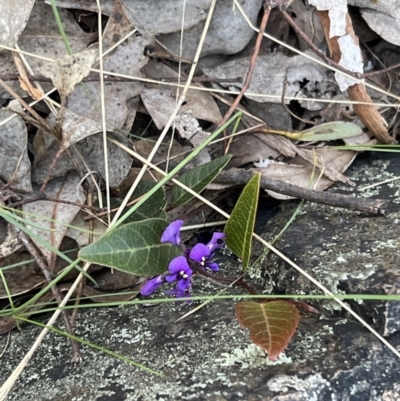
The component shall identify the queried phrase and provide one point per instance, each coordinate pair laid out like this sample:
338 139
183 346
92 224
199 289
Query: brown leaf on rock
113 280
174 153
271 324
23 275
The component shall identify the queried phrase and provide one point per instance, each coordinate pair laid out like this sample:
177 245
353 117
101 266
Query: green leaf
240 226
197 179
271 324
153 207
329 132
133 248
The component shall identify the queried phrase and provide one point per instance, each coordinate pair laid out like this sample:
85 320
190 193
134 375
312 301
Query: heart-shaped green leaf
271 324
133 248
328 132
197 179
240 226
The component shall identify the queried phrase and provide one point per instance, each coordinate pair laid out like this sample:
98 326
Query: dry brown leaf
68 189
90 149
69 70
14 16
269 75
299 172
26 84
15 166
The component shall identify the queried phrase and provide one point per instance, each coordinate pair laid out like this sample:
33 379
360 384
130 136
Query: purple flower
180 293
181 272
202 253
217 241
151 285
172 233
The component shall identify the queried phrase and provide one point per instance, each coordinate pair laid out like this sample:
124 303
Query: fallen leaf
14 16
271 324
58 215
69 70
15 166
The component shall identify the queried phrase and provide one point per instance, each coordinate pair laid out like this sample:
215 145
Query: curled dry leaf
69 70
26 84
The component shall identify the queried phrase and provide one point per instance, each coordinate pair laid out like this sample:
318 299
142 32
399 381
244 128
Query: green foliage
240 226
153 207
133 248
329 132
271 324
192 155
197 179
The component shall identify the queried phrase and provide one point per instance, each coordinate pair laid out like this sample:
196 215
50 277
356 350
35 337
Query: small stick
40 78
241 176
384 70
205 79
38 118
42 196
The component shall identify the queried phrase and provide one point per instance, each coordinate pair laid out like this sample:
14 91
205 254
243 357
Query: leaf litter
289 93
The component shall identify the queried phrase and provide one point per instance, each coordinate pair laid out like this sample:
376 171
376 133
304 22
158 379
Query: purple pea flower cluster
180 268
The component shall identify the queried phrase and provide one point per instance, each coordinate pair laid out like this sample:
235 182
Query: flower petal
151 285
171 278
217 241
213 266
172 233
184 284
199 252
179 264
